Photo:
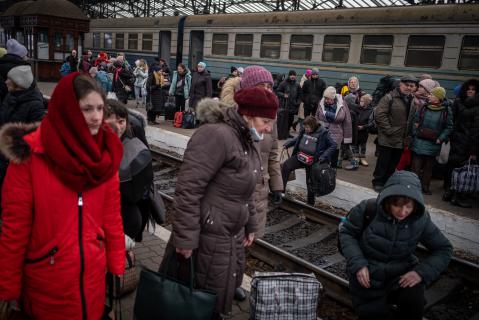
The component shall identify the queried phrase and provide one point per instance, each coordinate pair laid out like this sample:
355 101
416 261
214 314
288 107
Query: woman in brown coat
215 216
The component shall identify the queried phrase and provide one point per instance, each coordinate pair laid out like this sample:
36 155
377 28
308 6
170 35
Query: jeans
359 150
140 95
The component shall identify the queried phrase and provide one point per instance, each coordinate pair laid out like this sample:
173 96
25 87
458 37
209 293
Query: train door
197 39
165 46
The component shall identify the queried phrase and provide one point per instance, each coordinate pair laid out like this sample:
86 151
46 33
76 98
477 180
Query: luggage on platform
170 108
178 120
324 179
284 296
189 120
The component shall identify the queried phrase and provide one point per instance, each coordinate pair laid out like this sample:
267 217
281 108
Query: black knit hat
292 73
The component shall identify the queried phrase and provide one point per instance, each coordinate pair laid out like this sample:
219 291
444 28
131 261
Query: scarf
79 159
435 107
330 111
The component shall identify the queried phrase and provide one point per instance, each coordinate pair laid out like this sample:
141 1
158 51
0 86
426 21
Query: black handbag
161 297
323 179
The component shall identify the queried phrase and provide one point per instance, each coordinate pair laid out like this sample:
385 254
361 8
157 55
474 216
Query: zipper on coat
82 257
50 254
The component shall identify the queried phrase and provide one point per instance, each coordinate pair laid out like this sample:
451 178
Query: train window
96 40
108 40
133 41
70 43
424 51
377 50
301 47
244 45
220 44
270 46
469 58
336 48
120 41
147 43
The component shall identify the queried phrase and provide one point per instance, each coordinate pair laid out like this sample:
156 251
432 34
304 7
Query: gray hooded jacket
386 246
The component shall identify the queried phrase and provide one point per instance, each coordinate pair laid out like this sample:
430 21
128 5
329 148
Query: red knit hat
254 75
257 102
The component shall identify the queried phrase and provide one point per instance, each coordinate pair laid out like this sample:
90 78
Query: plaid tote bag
466 179
284 296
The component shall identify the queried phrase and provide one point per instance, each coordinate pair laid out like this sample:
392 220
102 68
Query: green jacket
186 86
438 120
392 119
386 246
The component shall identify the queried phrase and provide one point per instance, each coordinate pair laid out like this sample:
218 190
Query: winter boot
354 165
363 162
460 200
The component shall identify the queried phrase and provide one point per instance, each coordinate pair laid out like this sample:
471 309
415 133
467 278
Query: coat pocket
49 255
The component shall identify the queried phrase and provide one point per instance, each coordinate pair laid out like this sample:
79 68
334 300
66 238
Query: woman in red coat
62 227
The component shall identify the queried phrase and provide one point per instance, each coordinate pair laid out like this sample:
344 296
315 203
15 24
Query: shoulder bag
162 297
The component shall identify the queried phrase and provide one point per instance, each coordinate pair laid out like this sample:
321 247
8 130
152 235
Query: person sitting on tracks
214 203
378 240
313 144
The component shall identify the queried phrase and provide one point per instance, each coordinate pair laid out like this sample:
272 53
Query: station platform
459 224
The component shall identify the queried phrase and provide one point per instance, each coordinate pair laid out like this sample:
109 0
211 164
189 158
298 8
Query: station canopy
155 8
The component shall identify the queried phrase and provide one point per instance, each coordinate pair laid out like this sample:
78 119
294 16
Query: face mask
255 135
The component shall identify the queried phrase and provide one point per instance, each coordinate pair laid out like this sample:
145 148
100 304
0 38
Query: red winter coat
55 244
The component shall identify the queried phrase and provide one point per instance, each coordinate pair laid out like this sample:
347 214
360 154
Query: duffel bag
284 296
466 179
323 179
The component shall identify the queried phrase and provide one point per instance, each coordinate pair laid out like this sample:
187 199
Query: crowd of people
77 179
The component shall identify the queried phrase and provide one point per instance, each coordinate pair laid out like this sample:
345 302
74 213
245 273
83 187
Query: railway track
302 238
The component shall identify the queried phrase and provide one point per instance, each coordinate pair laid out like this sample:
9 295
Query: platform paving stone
149 253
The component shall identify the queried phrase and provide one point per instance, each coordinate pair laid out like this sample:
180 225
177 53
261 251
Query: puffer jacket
465 135
55 244
214 204
341 128
22 106
201 87
140 77
431 118
294 92
392 119
186 86
324 149
313 90
386 246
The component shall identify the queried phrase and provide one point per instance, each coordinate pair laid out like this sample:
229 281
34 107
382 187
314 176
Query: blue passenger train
442 40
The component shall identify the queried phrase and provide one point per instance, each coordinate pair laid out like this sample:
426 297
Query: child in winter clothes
362 113
432 126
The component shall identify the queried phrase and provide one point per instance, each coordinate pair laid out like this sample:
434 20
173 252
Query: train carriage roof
390 15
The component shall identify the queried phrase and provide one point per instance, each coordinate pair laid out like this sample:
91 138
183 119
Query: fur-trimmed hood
12 143
210 111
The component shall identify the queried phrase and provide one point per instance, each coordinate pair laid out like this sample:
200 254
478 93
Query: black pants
388 159
290 121
292 164
399 304
334 159
422 166
180 103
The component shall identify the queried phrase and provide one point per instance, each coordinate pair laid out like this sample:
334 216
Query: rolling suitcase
284 296
170 108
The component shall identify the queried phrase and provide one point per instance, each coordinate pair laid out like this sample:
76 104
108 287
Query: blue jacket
186 87
325 148
103 80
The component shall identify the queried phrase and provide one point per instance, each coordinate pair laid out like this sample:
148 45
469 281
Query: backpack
189 120
373 127
368 216
178 121
386 84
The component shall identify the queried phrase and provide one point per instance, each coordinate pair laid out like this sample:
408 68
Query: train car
442 40
145 38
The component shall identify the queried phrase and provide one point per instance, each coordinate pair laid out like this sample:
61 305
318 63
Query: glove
277 197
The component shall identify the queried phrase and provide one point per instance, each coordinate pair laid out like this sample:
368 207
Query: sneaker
363 162
354 165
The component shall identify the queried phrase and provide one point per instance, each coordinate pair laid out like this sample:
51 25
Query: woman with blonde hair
141 75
